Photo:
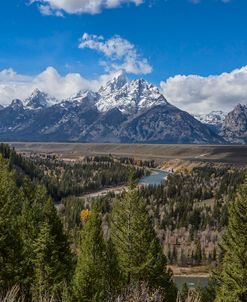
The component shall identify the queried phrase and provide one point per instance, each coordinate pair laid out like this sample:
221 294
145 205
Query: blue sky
171 37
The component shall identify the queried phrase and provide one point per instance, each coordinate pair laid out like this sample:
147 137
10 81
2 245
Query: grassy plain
227 154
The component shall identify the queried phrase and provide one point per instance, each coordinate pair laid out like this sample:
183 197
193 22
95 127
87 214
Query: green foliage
94 274
10 243
63 179
184 292
139 252
53 260
31 217
33 248
232 275
182 206
208 293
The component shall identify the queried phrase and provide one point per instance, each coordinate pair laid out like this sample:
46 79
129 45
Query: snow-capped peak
82 95
213 118
129 96
115 84
39 99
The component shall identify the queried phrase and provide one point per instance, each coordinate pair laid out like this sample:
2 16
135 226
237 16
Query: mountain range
121 111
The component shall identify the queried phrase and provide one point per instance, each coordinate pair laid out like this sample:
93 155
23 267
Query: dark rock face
122 111
234 128
168 124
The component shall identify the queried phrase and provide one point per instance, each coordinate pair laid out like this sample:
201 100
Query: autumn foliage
84 215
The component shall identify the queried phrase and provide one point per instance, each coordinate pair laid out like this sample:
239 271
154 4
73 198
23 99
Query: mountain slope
129 97
215 118
121 111
170 125
234 128
39 100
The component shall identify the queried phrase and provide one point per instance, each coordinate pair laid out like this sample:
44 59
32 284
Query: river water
156 178
191 281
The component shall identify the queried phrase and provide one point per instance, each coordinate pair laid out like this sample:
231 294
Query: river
191 281
156 178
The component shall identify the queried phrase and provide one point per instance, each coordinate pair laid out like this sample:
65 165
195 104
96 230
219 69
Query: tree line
63 179
119 250
36 253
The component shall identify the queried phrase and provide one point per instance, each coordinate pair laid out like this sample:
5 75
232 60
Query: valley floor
226 154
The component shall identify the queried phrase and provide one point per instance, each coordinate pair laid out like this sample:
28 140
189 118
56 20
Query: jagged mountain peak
215 117
115 84
36 92
82 95
121 111
234 128
130 97
39 99
16 103
240 107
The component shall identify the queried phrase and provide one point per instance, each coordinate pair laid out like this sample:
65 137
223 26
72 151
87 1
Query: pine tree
184 292
10 242
92 281
139 252
232 275
34 199
198 253
52 256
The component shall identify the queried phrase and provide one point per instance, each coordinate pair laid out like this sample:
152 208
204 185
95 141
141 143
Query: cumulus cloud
14 85
199 94
120 53
58 7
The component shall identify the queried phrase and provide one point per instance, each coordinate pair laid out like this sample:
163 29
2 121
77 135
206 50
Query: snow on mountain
115 84
215 118
16 104
121 111
39 99
83 95
130 97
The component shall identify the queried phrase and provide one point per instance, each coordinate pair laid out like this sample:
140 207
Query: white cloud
199 1
192 93
121 54
14 85
58 7
198 94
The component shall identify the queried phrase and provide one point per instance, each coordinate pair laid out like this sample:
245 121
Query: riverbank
116 190
197 276
156 177
193 272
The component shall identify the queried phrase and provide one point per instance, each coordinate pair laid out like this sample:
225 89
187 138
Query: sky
195 51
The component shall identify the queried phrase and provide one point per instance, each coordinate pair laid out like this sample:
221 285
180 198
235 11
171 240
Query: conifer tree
198 253
139 252
34 199
52 256
91 280
113 273
10 242
232 275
